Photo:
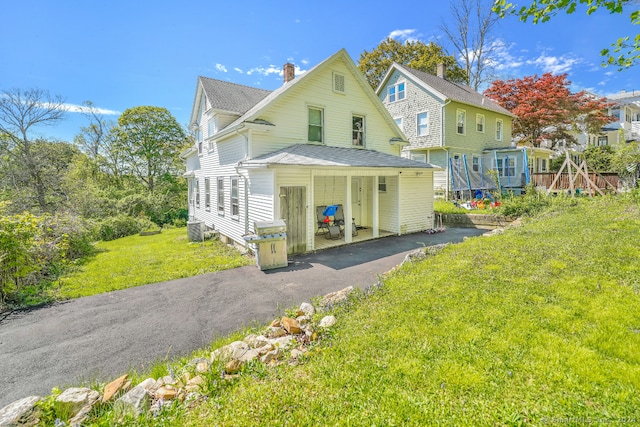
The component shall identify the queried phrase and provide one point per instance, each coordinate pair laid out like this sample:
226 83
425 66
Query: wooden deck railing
546 179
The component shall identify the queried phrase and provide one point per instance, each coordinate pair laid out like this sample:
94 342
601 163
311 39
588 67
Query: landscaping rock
250 355
195 383
23 412
274 332
275 323
272 355
166 392
255 341
235 350
150 385
113 388
336 297
307 309
264 349
73 400
327 322
291 326
282 342
295 353
135 401
202 367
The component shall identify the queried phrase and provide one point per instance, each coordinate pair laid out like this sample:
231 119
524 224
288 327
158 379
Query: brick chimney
289 72
441 71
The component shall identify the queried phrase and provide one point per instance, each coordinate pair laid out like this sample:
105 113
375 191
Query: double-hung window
475 163
207 193
358 131
199 139
316 124
461 118
221 195
196 189
423 124
382 184
396 92
506 166
480 123
234 196
498 130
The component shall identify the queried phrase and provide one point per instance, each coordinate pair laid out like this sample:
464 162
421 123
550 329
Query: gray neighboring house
447 123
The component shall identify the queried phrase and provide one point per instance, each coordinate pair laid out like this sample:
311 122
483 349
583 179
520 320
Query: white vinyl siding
416 210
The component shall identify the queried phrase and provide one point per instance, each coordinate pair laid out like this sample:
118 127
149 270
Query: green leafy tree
599 158
414 54
20 112
148 140
624 53
626 161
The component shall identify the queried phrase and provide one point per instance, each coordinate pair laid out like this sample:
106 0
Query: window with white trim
357 129
235 207
196 190
476 163
499 129
207 193
422 121
199 139
461 119
382 184
191 195
419 157
396 92
221 195
480 123
316 124
506 166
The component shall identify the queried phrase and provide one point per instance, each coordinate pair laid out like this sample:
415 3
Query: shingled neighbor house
322 139
452 126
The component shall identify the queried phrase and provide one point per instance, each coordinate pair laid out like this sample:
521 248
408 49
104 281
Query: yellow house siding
472 140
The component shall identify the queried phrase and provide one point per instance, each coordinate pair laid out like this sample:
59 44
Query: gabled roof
256 110
445 89
231 97
324 155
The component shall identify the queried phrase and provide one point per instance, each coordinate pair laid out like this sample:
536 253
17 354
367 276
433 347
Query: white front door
356 199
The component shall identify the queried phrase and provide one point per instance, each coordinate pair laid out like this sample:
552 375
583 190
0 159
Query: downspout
246 181
442 141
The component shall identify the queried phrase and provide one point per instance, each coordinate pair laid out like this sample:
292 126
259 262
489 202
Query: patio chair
338 219
323 224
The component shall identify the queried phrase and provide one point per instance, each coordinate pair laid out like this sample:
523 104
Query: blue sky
122 54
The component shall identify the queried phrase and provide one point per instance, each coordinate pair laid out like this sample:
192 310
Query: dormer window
396 92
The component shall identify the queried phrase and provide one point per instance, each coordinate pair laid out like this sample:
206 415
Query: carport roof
326 156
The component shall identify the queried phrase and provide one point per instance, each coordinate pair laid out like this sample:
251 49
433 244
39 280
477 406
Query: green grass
140 260
539 325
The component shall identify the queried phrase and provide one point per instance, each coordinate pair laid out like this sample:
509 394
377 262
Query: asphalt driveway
100 337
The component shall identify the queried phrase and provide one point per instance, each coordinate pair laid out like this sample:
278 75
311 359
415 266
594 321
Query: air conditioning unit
195 230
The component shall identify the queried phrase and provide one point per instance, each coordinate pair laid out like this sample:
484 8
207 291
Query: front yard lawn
140 260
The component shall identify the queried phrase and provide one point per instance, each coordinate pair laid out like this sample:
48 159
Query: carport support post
375 203
348 236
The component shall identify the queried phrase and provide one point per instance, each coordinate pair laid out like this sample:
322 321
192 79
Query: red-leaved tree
545 109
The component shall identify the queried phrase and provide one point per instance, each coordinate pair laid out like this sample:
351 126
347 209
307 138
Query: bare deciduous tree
20 111
469 32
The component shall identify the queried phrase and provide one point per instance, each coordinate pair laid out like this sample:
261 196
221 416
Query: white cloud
502 58
221 67
553 64
74 108
404 35
305 62
273 70
238 70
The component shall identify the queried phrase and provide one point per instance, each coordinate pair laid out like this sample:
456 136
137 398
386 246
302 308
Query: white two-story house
321 139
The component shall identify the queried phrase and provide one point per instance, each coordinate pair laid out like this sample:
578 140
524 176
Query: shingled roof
455 91
324 155
231 97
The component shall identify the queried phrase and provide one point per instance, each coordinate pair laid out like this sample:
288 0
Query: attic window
338 82
396 92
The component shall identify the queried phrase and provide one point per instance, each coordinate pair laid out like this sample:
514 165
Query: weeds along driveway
100 337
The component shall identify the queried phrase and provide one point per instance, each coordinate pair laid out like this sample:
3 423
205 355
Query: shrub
121 226
527 204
